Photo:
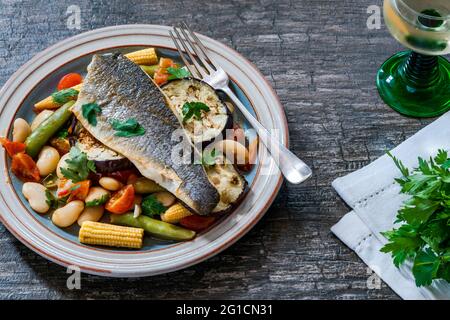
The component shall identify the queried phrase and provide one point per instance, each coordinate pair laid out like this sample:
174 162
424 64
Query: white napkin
375 200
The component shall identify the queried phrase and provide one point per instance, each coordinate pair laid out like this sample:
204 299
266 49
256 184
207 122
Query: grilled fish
123 91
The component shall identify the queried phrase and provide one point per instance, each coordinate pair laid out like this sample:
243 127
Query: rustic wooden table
321 59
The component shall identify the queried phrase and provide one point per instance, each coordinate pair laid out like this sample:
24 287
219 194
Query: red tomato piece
80 190
160 77
12 148
165 63
121 201
69 80
24 167
196 222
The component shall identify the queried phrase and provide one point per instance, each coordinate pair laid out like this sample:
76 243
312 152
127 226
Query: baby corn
49 103
175 213
103 234
146 57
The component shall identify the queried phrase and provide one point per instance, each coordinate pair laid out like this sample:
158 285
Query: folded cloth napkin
375 200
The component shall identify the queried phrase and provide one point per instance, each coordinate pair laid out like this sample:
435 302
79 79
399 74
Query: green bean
155 227
39 137
150 70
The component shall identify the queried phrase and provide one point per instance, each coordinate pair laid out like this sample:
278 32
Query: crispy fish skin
124 91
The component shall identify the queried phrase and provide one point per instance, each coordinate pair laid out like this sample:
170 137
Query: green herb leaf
399 164
209 158
98 202
54 202
64 95
178 73
424 236
90 112
78 166
426 265
151 206
62 134
193 109
128 128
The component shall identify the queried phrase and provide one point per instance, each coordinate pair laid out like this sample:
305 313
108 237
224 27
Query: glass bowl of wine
417 82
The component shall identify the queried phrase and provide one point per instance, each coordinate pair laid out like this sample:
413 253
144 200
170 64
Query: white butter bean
110 184
41 117
21 130
62 164
91 214
96 193
67 215
35 194
166 198
48 160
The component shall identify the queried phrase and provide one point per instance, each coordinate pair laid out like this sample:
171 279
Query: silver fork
204 68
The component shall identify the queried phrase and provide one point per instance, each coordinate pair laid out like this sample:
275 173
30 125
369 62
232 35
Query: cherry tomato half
24 167
196 222
166 63
12 148
69 80
160 77
121 201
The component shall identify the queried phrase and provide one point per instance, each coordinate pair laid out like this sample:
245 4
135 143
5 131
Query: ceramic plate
38 78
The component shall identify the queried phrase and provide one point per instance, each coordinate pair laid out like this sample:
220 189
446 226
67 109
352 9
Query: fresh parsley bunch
78 166
424 236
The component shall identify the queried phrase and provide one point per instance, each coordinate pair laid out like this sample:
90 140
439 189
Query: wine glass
417 83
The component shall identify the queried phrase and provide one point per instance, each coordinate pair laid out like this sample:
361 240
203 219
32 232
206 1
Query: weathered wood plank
321 60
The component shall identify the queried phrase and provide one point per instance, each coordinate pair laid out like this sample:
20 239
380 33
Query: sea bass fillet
123 91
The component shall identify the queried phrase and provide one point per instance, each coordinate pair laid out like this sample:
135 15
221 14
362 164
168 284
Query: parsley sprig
54 202
90 112
193 109
151 206
178 73
424 236
97 202
78 166
127 128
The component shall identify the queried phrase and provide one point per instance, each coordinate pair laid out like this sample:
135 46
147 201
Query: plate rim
117 32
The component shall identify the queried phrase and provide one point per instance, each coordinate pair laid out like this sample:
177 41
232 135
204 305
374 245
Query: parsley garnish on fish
90 112
128 128
209 158
151 206
193 109
64 95
178 73
78 166
424 236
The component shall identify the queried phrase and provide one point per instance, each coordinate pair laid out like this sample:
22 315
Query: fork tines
193 54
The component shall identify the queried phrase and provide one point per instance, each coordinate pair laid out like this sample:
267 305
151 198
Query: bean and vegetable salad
114 205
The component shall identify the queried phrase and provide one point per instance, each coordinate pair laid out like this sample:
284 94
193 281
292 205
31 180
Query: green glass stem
415 84
420 70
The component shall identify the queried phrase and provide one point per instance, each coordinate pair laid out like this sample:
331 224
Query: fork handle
294 170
